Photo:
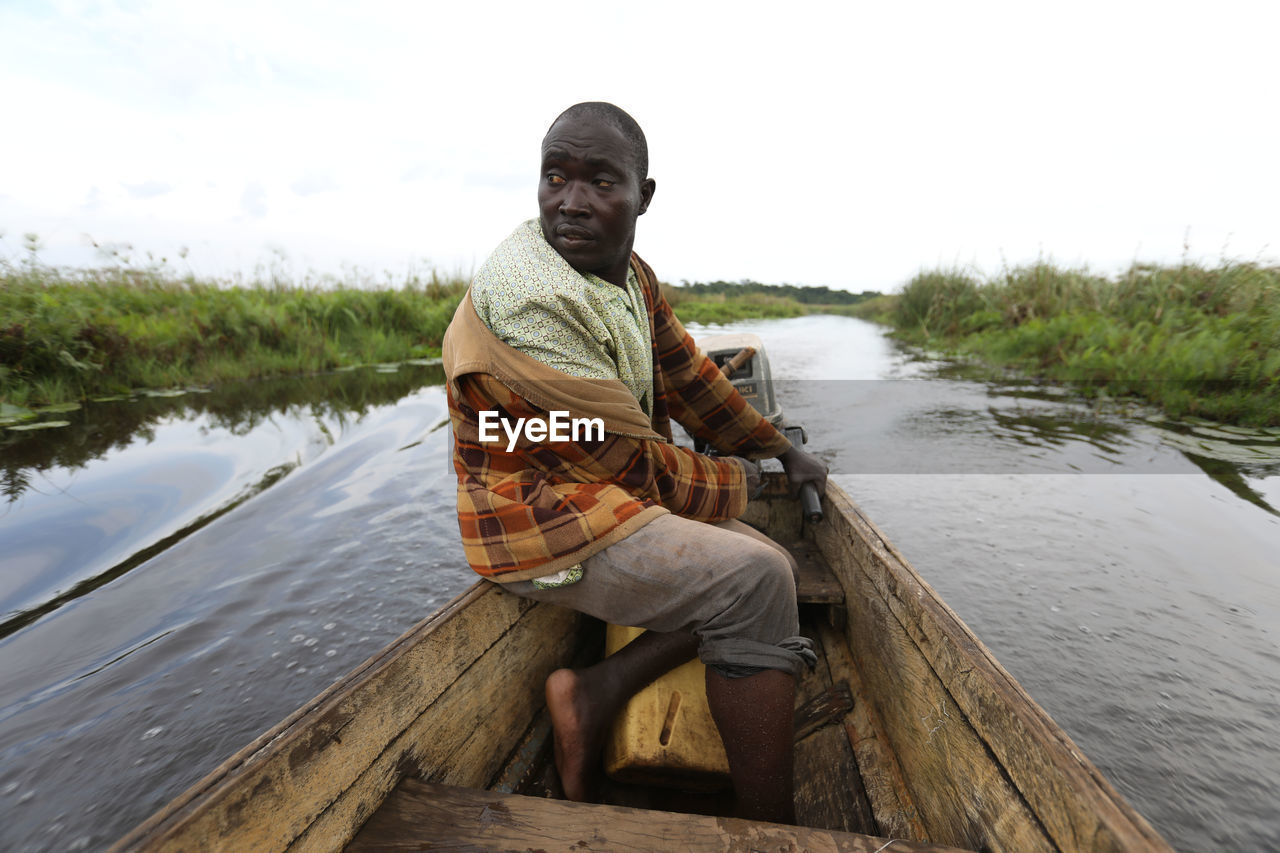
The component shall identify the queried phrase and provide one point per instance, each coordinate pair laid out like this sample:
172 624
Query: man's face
589 196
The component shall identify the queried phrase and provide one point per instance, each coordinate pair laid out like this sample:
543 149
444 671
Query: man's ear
647 186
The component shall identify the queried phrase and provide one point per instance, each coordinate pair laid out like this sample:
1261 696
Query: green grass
876 308
70 335
1194 340
727 302
75 334
713 308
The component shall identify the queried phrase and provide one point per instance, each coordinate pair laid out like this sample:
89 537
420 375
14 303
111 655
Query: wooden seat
424 816
816 584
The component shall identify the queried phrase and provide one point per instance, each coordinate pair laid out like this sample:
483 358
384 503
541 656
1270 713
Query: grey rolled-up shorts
729 585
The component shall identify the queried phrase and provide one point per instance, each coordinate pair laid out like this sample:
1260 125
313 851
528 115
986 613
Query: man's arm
700 398
707 404
690 484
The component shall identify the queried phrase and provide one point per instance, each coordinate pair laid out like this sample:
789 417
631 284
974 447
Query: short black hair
618 118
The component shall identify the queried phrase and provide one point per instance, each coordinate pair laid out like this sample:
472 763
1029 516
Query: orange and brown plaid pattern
546 505
691 390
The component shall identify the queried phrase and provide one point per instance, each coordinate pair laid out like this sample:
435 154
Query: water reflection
1225 467
96 428
265 551
1229 455
1119 432
126 480
922 426
1058 429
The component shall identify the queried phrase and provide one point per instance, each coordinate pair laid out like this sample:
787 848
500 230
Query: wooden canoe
908 729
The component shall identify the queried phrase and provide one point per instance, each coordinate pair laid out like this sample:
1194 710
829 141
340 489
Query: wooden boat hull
940 743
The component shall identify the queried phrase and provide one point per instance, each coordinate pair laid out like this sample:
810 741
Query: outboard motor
742 357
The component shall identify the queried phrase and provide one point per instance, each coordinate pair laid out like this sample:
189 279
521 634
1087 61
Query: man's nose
574 202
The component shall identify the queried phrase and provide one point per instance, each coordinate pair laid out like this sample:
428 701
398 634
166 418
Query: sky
848 145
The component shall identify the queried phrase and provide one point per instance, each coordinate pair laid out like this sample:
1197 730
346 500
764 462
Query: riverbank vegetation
725 302
69 335
74 334
712 308
1192 339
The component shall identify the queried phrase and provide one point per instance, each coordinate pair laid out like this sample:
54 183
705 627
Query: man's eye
555 180
604 182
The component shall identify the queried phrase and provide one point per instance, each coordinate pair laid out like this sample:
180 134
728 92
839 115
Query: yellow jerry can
665 735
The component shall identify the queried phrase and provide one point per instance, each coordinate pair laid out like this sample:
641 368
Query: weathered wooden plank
828 789
470 730
526 760
894 812
962 795
267 795
827 707
465 735
779 519
419 816
816 583
1071 802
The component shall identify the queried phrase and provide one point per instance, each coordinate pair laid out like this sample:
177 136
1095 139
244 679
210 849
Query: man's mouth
574 233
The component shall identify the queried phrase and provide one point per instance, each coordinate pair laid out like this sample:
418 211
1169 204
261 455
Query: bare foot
579 732
583 702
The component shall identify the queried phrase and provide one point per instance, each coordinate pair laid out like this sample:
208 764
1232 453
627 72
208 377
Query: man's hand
802 467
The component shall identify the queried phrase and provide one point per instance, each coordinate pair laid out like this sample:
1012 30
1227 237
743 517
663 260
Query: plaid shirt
544 506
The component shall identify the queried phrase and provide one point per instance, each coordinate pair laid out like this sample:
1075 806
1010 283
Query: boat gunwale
954 652
206 792
1092 792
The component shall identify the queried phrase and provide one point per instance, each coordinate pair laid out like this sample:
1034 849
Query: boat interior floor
836 736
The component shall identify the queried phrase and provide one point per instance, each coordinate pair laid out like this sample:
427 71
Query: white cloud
253 201
147 189
842 145
314 181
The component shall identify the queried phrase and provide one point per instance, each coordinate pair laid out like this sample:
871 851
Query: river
180 573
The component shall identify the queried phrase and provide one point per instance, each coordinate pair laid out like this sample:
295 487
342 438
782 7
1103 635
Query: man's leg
584 702
676 576
754 716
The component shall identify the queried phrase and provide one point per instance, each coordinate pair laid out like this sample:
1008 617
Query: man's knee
788 561
771 575
758 628
751 533
793 566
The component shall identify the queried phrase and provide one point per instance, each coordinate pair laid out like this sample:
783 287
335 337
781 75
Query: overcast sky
843 144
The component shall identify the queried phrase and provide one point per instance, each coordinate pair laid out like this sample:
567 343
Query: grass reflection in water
96 428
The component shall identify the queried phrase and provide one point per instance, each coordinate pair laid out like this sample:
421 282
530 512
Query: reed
719 308
1195 340
73 334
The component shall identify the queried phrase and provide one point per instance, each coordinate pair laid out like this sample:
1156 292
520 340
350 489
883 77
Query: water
174 587
314 536
1125 569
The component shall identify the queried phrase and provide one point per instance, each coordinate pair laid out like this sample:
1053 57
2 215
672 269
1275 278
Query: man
623 525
